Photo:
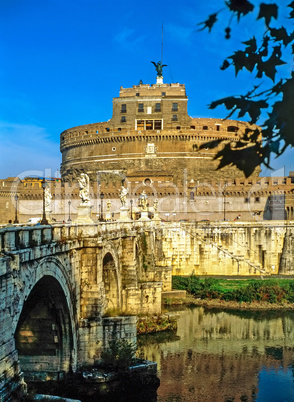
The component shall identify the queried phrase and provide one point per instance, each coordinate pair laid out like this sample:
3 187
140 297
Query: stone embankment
223 304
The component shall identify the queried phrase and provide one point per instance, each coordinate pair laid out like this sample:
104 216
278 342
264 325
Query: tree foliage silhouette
262 55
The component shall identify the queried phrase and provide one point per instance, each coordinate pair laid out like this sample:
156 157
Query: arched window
232 129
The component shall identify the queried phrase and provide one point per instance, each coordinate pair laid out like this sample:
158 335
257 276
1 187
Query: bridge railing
21 237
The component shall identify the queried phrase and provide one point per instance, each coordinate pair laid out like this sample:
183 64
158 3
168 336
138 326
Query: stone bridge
67 290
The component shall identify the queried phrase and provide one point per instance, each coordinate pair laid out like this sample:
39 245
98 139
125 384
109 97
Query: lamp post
69 219
16 199
131 202
44 219
101 197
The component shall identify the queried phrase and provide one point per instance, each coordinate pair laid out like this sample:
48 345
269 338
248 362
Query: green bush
269 290
119 356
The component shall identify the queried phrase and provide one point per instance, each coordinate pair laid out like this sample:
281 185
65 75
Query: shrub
119 356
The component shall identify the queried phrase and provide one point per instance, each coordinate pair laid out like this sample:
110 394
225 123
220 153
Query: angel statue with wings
158 67
84 185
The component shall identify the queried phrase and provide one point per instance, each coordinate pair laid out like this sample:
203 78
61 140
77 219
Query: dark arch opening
43 335
110 281
232 129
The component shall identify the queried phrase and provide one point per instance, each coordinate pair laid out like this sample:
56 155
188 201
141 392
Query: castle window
107 129
137 94
162 93
217 127
175 117
141 107
257 199
191 195
157 107
192 127
149 124
140 124
205 128
178 127
97 132
157 125
119 129
123 119
232 129
247 200
175 107
123 108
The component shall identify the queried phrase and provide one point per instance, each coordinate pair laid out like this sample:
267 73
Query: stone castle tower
149 137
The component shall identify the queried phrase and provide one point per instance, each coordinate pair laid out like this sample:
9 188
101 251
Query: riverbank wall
227 248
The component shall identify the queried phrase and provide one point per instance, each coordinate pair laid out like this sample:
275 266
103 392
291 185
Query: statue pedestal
144 216
84 214
124 215
108 216
159 79
156 217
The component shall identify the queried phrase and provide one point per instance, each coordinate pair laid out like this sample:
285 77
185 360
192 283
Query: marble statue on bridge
123 196
143 201
48 197
84 184
143 205
84 209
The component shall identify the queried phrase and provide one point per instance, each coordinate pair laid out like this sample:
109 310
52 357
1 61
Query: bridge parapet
21 237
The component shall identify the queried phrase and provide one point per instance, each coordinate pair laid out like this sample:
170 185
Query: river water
225 355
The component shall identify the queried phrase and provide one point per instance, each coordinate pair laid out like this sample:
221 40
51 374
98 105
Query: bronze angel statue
159 67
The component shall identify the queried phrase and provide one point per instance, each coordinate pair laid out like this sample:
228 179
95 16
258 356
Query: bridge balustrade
22 237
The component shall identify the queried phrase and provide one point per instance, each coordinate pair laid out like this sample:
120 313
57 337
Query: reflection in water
226 356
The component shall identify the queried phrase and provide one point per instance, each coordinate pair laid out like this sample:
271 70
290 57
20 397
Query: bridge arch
44 330
111 277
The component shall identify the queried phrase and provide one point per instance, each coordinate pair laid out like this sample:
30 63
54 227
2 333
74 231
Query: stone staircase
239 258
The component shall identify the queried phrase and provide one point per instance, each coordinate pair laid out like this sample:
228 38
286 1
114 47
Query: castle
150 136
151 144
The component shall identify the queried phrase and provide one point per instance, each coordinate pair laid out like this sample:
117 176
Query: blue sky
62 62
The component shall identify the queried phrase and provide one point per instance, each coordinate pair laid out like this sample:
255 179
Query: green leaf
264 47
251 45
225 65
280 35
229 102
209 22
253 108
275 146
252 60
240 7
268 11
239 59
269 67
292 12
276 89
